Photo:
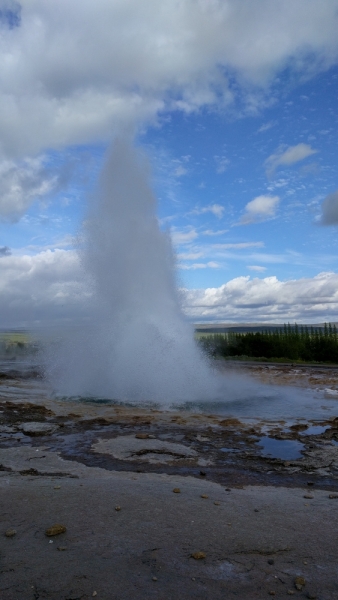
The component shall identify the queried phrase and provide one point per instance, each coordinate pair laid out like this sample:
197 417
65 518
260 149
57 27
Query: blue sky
237 113
210 166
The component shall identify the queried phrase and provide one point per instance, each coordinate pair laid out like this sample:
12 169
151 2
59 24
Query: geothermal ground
163 504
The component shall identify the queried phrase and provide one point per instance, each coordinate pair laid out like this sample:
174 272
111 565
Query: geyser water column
137 344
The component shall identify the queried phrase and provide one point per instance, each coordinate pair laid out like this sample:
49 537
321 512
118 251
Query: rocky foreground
116 503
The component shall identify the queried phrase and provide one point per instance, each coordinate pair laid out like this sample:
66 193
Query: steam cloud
137 344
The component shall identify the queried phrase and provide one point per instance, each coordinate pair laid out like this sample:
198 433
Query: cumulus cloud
330 210
270 300
49 287
291 155
22 183
73 71
42 288
260 209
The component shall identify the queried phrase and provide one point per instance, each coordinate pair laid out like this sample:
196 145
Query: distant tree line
289 342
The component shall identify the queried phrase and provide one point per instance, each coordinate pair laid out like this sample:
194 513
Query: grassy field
16 343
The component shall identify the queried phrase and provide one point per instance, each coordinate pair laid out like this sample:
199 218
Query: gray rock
36 428
136 448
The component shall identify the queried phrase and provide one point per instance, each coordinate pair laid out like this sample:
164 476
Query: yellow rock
10 532
299 582
55 529
198 555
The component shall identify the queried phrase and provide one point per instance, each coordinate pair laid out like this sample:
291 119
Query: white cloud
42 288
71 72
211 232
330 209
291 155
266 126
257 268
50 287
248 300
222 164
180 171
22 183
215 209
187 255
260 209
238 245
183 236
194 266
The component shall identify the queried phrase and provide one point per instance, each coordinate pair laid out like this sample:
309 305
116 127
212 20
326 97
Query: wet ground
169 504
231 451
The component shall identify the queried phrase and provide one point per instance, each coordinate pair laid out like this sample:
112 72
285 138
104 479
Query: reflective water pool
284 449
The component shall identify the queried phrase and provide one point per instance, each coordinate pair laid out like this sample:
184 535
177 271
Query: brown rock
299 583
176 490
142 436
198 555
272 593
204 496
217 503
62 548
333 496
10 533
55 529
117 507
154 578
308 496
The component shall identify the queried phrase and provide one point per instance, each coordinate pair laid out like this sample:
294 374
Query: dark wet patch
230 446
243 465
283 449
315 430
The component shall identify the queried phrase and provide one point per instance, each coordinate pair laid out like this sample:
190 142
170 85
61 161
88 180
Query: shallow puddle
315 430
284 449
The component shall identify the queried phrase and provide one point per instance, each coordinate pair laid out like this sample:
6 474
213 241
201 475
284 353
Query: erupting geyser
137 344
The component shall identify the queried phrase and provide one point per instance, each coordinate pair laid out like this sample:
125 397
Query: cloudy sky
235 104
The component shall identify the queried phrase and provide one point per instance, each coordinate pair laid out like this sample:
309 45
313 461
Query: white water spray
137 345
